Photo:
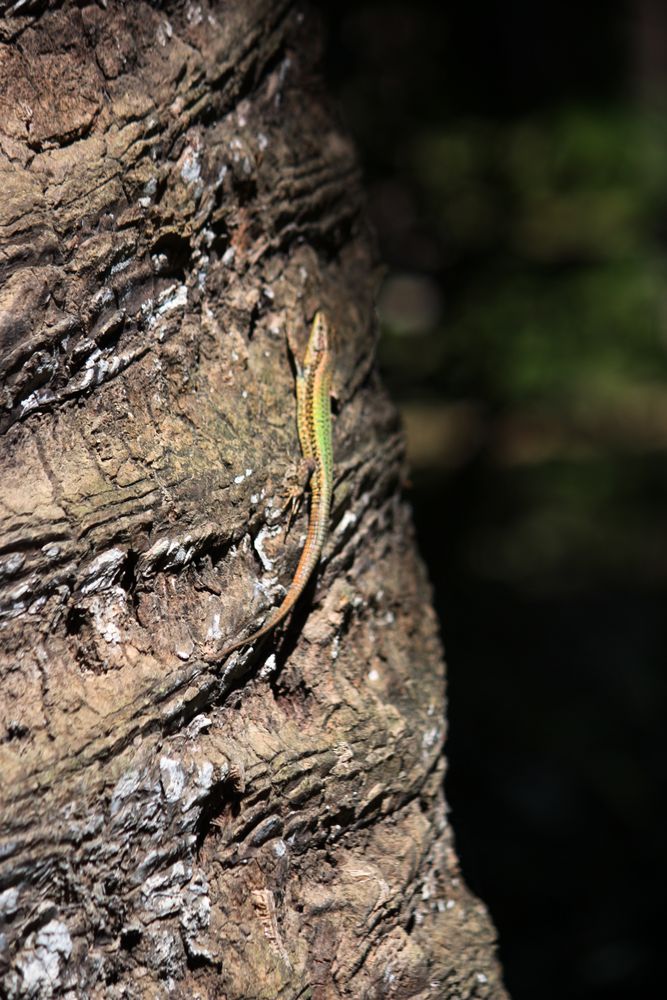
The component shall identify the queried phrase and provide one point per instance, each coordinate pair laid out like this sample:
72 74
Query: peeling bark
176 195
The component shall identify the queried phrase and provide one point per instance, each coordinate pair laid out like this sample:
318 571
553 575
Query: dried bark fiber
176 195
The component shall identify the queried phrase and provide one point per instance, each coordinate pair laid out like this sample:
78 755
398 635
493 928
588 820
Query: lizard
313 405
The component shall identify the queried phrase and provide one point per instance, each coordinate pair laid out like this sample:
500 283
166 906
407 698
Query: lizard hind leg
302 474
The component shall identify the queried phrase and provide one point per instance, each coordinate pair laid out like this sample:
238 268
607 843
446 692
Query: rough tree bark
176 193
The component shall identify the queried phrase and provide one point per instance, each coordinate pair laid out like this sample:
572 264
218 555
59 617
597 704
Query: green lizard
313 404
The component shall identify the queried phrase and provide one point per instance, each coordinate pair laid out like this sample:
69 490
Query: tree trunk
177 196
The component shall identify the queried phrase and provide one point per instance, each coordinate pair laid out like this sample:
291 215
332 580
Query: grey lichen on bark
177 196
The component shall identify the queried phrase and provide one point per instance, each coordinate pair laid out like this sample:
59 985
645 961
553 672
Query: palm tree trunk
177 199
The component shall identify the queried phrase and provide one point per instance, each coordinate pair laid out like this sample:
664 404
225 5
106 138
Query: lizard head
320 338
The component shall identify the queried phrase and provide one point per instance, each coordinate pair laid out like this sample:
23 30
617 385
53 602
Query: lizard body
313 398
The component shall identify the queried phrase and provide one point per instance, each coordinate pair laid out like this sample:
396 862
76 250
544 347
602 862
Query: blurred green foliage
559 222
552 272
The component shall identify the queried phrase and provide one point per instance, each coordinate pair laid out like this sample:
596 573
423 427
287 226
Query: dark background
515 155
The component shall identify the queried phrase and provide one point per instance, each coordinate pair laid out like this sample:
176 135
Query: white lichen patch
38 969
199 724
122 265
198 788
196 914
102 572
267 532
184 648
273 512
187 783
170 298
36 399
172 778
428 887
98 301
202 273
106 608
241 155
190 165
10 565
100 367
269 667
159 262
164 33
9 900
169 553
242 476
193 13
430 737
162 892
124 789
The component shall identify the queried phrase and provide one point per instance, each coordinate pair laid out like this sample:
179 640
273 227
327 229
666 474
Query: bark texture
176 194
